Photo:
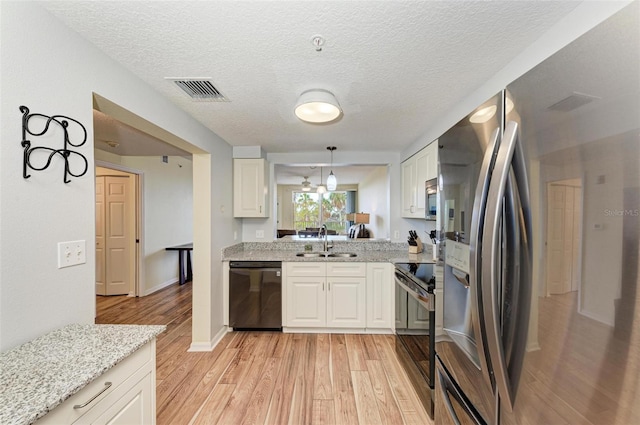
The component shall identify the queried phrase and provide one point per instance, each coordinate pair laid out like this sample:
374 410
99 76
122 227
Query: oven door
415 341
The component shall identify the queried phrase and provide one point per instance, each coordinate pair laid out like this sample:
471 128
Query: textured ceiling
395 66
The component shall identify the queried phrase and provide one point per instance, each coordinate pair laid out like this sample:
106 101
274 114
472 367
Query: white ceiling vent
199 89
573 101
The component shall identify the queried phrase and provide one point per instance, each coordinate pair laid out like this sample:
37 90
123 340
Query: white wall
52 70
373 198
168 216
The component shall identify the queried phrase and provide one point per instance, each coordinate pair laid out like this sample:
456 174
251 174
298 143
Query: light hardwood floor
268 377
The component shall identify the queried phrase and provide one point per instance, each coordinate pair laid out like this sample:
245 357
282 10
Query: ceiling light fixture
483 115
317 106
306 184
321 188
332 183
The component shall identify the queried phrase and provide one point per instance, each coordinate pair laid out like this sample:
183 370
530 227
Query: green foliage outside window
307 207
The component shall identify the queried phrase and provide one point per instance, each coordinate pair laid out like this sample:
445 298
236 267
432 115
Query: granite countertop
369 251
37 376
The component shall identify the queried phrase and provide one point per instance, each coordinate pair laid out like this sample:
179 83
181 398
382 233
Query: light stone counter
374 251
39 375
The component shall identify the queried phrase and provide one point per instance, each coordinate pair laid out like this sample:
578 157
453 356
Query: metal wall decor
65 153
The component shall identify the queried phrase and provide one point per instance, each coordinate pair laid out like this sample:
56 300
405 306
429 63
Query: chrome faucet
326 246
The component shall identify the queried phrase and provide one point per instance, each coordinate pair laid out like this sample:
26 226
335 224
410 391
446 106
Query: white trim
159 286
596 317
373 331
209 346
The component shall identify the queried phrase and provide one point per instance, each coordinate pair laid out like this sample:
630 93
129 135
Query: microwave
431 199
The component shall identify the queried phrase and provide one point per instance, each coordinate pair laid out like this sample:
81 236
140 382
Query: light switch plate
71 253
259 234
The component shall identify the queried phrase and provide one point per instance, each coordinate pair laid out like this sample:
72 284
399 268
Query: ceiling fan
306 184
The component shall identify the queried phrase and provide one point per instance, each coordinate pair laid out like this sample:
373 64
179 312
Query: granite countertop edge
41 374
391 252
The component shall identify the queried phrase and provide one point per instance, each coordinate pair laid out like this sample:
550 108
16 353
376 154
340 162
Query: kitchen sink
343 254
326 254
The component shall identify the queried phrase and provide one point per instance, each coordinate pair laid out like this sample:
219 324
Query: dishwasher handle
255 264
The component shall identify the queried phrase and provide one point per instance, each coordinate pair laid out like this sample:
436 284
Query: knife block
416 249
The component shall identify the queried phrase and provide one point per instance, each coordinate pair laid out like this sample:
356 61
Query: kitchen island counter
368 252
39 375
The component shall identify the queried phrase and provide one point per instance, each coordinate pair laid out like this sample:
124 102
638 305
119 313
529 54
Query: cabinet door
422 173
306 301
346 302
379 300
134 407
400 308
432 160
409 187
417 316
249 188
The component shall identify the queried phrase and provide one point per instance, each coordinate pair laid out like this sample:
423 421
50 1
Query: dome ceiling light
332 182
317 106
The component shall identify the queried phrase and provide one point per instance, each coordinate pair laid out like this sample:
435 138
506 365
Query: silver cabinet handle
107 385
507 221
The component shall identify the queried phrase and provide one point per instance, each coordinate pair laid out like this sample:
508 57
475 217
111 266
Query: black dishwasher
255 295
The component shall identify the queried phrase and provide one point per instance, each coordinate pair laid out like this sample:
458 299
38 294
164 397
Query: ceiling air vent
199 89
573 101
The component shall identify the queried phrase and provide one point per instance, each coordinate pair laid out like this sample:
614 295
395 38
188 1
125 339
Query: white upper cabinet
416 171
250 188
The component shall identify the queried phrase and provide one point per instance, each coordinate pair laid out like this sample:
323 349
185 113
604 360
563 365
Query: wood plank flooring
268 377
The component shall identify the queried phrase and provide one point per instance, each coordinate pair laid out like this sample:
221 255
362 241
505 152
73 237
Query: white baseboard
159 286
209 346
373 331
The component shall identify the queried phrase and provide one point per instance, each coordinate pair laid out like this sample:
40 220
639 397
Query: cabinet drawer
66 414
302 269
347 269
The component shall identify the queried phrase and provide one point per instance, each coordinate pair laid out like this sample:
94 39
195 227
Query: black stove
415 327
420 273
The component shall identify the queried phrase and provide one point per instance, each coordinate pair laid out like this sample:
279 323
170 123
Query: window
312 210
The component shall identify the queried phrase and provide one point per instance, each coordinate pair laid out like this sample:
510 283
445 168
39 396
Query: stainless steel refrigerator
539 234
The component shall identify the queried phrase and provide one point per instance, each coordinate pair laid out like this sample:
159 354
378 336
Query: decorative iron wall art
37 125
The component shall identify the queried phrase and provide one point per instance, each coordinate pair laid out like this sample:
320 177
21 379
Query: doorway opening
564 237
119 223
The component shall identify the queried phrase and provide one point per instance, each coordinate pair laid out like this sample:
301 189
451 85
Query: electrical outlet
71 253
259 234
396 234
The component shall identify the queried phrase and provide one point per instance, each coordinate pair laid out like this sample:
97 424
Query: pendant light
306 184
332 183
321 188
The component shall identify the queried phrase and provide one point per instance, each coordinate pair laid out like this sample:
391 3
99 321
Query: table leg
181 267
189 270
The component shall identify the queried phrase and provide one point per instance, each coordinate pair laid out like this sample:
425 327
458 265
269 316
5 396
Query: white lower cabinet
121 396
343 295
325 295
379 295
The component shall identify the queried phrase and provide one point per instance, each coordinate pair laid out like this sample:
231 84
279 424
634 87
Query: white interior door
564 215
113 235
100 227
117 234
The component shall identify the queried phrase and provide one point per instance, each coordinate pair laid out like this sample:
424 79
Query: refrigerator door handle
475 248
509 161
